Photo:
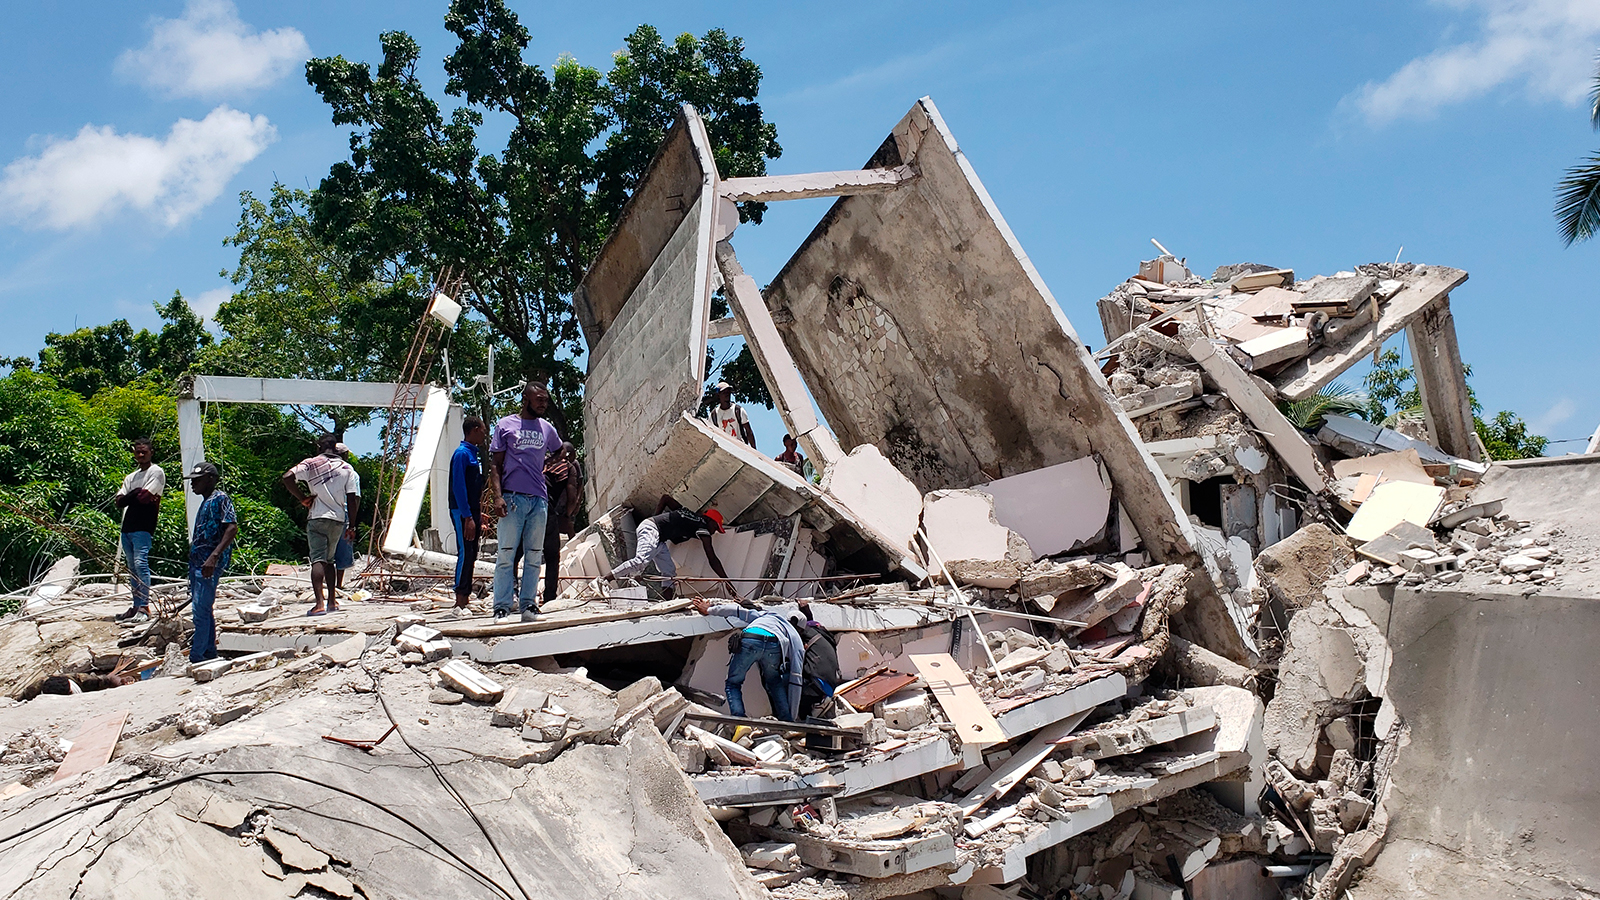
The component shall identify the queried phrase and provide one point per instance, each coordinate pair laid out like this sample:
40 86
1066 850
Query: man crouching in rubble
210 551
672 524
772 643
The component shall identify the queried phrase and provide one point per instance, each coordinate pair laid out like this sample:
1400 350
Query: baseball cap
204 468
724 386
341 448
716 517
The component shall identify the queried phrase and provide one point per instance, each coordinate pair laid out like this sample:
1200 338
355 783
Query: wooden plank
1304 378
92 746
975 725
555 621
1013 770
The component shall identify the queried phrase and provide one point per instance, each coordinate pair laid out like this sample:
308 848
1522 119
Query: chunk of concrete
961 525
867 484
1124 589
515 706
1046 583
1293 569
637 693
346 651
464 678
907 710
1056 508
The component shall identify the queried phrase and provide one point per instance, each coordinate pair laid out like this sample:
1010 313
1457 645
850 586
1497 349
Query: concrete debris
1152 632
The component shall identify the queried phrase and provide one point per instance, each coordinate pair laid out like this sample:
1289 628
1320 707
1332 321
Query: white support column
419 471
773 359
439 480
191 440
815 184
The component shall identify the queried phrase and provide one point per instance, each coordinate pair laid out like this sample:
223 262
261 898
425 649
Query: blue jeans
767 653
521 533
466 552
202 595
136 550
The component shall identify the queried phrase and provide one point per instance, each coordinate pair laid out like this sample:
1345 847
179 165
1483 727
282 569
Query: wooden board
1402 465
92 746
555 621
975 725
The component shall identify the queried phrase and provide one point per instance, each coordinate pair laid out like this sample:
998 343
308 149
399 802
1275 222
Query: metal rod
982 641
1048 620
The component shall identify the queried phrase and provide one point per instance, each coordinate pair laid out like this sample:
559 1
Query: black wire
377 688
219 776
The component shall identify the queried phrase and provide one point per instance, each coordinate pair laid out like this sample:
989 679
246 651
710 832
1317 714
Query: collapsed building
1108 624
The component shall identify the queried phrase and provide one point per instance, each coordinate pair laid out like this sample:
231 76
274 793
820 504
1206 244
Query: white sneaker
139 618
458 612
530 615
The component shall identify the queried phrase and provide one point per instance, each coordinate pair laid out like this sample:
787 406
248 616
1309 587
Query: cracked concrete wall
1497 794
922 328
648 362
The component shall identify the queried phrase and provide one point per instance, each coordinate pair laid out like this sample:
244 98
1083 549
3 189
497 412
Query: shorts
344 556
322 537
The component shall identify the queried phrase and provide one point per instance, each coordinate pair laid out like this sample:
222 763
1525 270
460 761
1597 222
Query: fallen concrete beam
817 184
886 768
629 632
1285 439
1423 286
1014 864
869 859
1030 717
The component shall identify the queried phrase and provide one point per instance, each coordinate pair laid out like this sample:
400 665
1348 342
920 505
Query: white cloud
1545 423
210 52
1545 46
85 179
206 302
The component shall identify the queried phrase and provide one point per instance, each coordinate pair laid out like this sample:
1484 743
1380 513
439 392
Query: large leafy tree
1578 192
301 310
88 359
521 223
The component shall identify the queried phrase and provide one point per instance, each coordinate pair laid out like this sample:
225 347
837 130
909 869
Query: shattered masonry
1109 625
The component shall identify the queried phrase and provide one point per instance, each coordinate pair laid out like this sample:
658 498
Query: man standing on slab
210 550
562 476
730 416
519 445
140 502
332 501
466 512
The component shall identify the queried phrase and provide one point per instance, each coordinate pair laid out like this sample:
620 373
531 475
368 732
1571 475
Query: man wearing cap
332 501
344 555
210 550
519 444
730 416
771 642
672 524
140 502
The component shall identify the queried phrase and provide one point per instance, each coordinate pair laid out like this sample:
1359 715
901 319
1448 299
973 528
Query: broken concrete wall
1494 796
647 304
922 328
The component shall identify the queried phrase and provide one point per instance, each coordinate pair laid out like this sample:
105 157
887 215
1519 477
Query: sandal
316 612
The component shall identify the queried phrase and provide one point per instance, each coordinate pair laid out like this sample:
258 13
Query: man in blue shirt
519 444
210 551
466 513
770 642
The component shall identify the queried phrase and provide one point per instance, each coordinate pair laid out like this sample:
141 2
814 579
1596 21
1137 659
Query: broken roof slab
702 467
645 307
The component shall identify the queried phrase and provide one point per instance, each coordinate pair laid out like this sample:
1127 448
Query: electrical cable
220 775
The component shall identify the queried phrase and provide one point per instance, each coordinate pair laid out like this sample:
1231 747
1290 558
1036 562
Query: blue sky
1307 137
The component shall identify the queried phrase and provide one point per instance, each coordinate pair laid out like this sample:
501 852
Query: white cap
724 386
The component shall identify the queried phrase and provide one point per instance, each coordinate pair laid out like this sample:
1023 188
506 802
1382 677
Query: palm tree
1578 194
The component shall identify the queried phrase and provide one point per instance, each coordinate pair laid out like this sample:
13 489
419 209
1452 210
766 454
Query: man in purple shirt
519 445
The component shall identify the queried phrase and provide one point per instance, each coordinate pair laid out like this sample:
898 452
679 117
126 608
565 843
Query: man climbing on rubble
519 444
770 642
210 550
730 416
562 476
672 524
821 664
332 501
140 502
466 508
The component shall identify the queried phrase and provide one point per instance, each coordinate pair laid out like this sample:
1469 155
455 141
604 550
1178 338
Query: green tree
522 223
1578 192
1392 392
88 359
299 312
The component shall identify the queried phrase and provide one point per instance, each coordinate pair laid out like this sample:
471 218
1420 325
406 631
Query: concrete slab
1030 717
1055 508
